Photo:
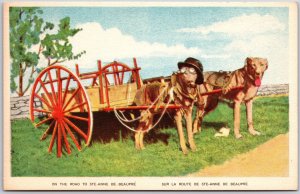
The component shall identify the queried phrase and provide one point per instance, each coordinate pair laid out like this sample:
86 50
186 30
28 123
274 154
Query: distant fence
19 106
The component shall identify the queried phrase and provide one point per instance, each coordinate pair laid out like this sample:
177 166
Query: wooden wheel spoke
52 138
43 121
94 82
118 75
58 141
106 80
65 138
66 90
71 135
46 133
41 110
47 93
70 99
115 74
52 86
78 118
80 100
73 108
59 86
122 75
44 101
76 128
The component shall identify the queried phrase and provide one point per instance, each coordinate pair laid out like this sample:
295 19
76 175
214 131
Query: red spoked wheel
59 104
116 73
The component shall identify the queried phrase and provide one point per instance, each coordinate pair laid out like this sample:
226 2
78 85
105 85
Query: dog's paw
184 151
238 136
139 147
197 130
193 147
254 132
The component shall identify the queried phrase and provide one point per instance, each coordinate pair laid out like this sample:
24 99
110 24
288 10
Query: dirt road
267 160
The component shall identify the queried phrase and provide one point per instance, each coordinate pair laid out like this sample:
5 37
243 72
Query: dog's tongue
257 82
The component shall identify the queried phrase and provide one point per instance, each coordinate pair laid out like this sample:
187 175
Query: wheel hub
58 114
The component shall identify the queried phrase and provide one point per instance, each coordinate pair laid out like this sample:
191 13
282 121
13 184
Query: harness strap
229 80
124 119
231 75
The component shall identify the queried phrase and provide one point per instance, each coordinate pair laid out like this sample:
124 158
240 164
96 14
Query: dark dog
249 76
182 91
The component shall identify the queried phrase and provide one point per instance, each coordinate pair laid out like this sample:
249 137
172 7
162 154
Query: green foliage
57 46
13 84
26 30
119 158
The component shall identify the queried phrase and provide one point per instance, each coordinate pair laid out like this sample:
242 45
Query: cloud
259 45
112 44
215 56
241 25
251 35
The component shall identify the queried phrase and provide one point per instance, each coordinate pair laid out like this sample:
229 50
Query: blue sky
159 37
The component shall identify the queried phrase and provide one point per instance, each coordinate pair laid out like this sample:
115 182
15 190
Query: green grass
119 157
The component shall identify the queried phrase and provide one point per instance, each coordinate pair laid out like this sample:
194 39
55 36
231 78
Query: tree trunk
20 80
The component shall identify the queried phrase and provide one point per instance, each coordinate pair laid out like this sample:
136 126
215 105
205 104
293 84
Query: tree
26 29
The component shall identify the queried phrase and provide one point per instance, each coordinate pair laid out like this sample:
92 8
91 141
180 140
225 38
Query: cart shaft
171 106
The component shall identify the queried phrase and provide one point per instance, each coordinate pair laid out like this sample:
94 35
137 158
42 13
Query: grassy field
112 152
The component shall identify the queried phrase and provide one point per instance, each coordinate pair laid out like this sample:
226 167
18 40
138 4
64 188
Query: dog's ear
265 61
248 61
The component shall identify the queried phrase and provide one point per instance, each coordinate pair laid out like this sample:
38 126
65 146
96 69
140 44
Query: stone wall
19 106
274 89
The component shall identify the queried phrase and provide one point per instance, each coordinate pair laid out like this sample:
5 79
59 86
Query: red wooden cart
59 97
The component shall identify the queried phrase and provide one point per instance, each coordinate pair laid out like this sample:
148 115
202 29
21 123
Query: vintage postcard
150 96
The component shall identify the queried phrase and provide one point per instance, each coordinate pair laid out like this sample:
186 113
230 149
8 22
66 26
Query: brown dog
182 91
249 77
